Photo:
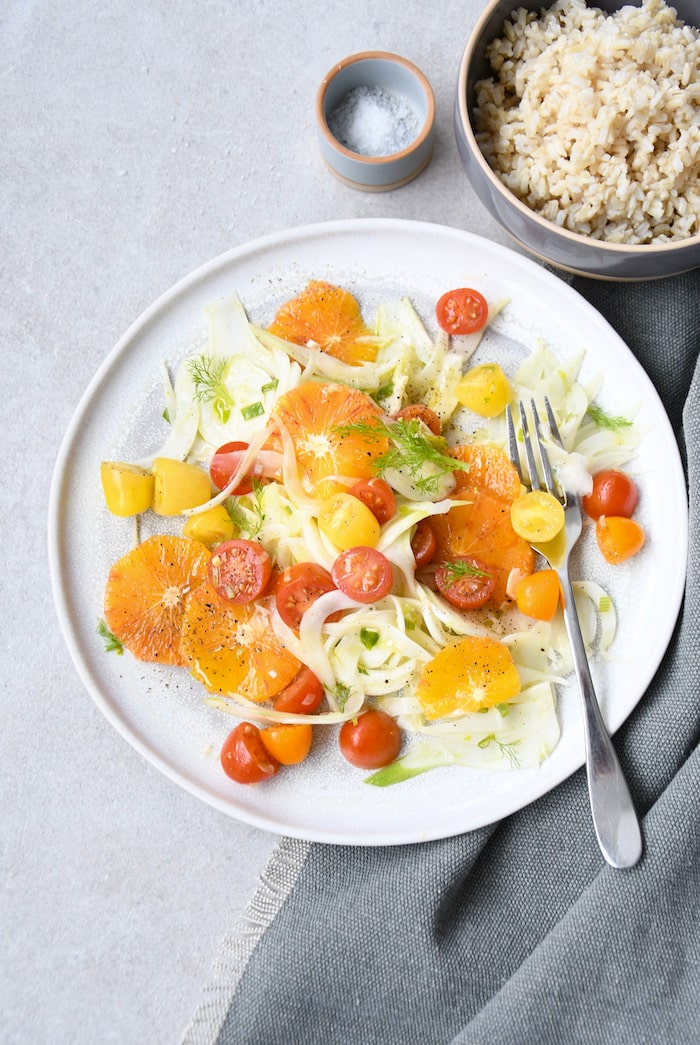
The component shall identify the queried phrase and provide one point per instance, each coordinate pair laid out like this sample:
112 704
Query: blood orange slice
232 648
482 529
475 672
330 317
336 430
146 594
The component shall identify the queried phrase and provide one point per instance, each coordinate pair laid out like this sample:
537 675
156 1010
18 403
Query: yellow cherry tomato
537 516
128 489
618 538
538 594
210 527
347 522
485 390
289 743
178 486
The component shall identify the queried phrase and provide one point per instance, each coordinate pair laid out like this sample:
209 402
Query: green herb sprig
208 377
410 451
608 421
112 643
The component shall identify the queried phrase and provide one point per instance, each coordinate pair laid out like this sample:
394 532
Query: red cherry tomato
378 496
245 758
465 582
297 589
613 493
371 740
423 543
224 464
240 570
419 412
302 696
362 573
462 311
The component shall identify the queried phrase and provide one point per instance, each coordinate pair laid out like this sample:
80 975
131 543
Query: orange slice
232 648
335 430
331 317
146 593
475 672
482 529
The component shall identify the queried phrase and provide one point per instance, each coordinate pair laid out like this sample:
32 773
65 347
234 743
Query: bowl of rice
578 124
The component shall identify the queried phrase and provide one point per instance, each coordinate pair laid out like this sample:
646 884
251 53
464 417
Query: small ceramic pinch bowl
549 240
375 115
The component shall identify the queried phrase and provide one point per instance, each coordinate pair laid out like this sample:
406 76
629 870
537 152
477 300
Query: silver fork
614 818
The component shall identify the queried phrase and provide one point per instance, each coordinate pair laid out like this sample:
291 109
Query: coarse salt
372 121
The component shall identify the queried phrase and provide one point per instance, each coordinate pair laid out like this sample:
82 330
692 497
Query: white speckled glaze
393 73
560 247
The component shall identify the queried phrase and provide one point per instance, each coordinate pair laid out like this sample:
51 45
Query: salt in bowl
375 115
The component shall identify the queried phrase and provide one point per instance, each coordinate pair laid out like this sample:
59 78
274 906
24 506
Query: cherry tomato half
462 311
288 743
245 758
224 464
297 589
538 594
419 412
618 537
363 574
240 570
378 496
465 582
302 696
423 543
613 493
371 740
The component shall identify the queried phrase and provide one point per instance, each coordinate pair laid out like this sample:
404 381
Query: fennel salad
346 555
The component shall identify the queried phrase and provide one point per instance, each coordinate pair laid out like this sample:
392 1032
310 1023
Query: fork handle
614 817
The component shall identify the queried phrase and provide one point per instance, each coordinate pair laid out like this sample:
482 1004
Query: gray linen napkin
519 932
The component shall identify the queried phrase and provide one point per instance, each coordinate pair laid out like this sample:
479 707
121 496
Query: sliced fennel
521 738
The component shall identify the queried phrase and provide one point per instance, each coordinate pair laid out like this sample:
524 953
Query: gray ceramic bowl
547 241
375 114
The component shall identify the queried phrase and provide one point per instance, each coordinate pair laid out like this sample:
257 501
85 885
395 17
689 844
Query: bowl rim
628 249
395 59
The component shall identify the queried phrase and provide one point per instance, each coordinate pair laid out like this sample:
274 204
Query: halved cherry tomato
538 594
364 574
618 537
245 758
347 521
224 464
240 570
419 412
302 696
378 496
371 740
485 390
537 516
462 311
423 543
613 493
297 589
465 582
288 743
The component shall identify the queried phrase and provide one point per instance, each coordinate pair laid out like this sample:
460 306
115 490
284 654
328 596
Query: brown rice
593 120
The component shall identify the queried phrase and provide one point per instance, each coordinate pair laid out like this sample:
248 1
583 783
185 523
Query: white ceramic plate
160 711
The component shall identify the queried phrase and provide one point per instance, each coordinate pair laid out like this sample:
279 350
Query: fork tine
544 456
513 451
551 421
529 452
